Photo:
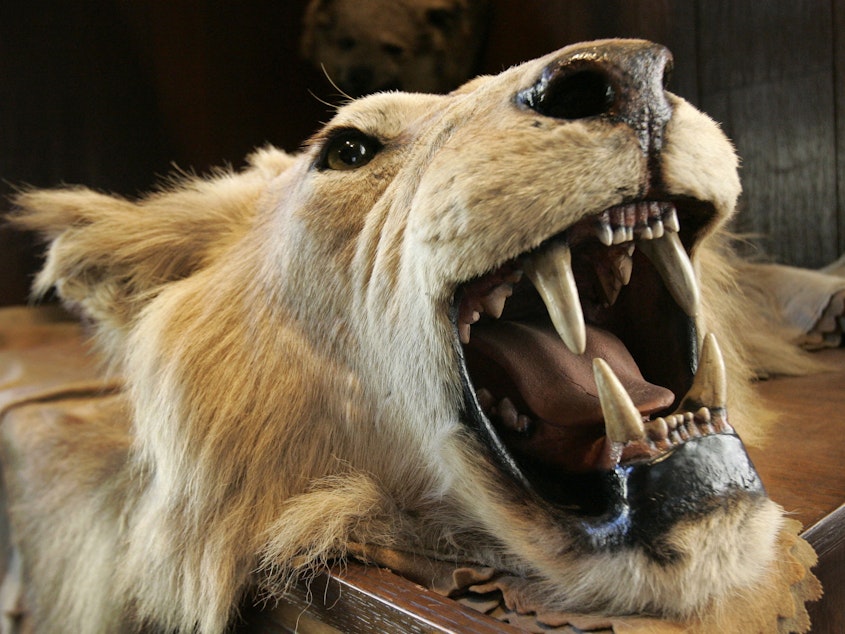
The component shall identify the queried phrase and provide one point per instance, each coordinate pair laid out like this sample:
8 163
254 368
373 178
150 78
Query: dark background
112 93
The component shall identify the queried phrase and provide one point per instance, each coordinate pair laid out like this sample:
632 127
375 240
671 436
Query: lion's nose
621 80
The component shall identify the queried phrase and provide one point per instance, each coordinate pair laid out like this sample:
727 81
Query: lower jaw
638 504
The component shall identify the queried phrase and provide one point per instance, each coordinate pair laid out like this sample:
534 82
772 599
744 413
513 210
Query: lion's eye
348 150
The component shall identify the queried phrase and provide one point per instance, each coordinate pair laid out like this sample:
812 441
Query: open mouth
583 371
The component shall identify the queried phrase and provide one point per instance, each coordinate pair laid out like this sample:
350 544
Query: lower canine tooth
622 420
709 387
550 271
668 256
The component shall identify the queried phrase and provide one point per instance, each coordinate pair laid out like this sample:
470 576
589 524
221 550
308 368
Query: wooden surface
772 73
828 538
775 100
802 463
358 599
802 457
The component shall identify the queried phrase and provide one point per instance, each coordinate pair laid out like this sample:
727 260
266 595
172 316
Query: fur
291 381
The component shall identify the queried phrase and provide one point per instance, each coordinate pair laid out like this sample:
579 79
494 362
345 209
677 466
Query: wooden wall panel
228 75
838 20
524 30
74 108
766 72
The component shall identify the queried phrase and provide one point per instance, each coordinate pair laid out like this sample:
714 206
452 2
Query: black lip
473 415
642 502
695 479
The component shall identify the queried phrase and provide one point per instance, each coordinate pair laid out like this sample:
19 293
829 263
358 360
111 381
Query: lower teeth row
664 431
681 427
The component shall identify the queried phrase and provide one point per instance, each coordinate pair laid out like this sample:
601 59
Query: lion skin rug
501 326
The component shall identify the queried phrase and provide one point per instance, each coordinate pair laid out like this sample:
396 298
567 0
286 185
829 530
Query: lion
410 45
500 325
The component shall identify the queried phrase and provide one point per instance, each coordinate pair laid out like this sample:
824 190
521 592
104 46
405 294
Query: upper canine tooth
710 386
550 271
622 420
668 256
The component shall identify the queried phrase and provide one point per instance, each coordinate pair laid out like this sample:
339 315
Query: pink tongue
555 384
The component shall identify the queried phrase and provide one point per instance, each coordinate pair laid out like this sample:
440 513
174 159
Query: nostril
576 95
620 82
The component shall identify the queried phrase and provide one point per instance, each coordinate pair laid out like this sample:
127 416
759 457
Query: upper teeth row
550 270
644 220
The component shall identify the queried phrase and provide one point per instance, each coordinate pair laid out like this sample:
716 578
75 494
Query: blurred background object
410 45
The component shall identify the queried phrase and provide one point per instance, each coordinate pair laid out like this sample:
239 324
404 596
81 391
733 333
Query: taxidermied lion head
495 325
411 45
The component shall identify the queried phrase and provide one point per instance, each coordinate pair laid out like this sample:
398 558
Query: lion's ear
107 255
